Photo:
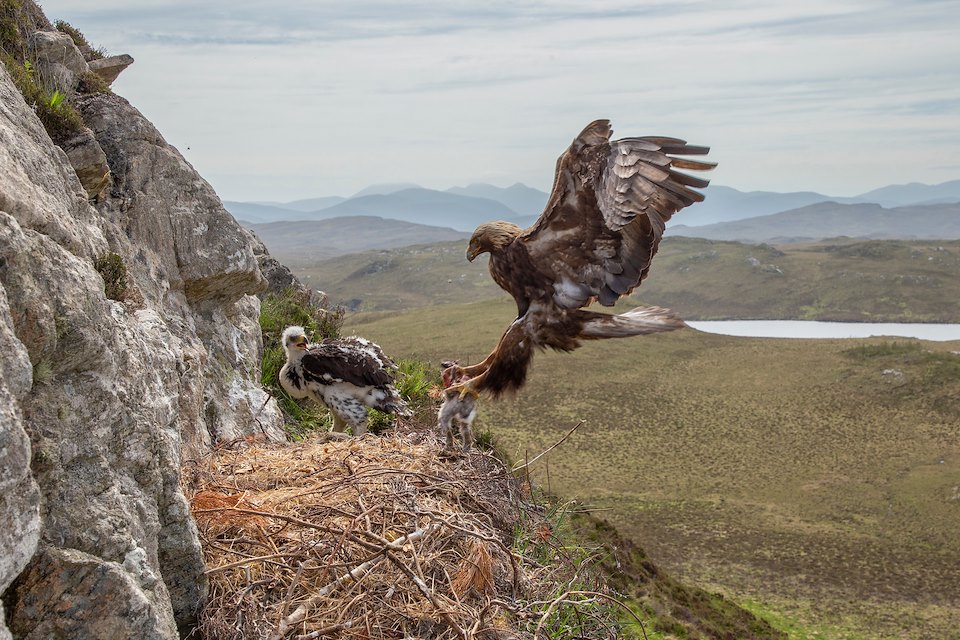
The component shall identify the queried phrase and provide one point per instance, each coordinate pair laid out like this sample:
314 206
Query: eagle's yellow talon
468 390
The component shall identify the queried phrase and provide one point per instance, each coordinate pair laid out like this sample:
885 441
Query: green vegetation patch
80 40
59 117
908 373
112 269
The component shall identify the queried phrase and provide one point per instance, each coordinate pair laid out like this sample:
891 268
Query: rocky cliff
103 399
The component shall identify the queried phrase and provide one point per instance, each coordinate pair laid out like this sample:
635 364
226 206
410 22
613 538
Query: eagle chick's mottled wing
607 211
371 348
335 360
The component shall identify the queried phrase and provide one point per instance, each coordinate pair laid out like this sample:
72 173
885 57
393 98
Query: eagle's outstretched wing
606 213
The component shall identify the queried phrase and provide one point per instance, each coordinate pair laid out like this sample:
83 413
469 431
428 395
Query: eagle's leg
360 427
480 367
339 424
466 388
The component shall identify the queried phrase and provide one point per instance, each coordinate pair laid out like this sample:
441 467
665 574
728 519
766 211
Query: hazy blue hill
724 204
524 200
898 195
310 205
522 204
832 219
295 241
260 213
385 188
425 206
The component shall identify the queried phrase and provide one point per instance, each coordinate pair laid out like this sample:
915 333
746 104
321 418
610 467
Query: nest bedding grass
386 537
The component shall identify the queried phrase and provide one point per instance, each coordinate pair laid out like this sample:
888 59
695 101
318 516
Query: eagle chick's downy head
294 341
491 237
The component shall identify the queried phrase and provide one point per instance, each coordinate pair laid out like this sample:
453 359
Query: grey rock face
103 401
109 68
59 62
60 66
204 251
19 494
71 594
89 162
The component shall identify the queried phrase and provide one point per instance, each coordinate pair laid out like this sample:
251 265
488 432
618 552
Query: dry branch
548 449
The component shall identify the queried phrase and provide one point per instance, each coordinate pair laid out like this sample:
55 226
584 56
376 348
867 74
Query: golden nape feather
594 241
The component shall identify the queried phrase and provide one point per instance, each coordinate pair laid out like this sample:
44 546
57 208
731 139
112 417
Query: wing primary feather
695 165
685 150
688 196
690 181
661 141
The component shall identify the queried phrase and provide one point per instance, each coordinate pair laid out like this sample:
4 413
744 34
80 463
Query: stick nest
381 538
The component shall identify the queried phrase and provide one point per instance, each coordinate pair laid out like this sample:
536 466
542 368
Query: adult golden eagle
593 242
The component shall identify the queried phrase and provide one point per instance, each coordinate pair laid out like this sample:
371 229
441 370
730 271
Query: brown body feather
594 242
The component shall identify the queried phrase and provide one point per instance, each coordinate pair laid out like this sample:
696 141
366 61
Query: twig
286 601
427 593
548 449
326 631
240 563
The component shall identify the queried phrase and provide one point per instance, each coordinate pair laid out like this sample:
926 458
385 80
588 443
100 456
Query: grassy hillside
815 479
906 281
416 276
845 280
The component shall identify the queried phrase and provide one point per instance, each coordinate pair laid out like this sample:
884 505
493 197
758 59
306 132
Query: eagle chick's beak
301 344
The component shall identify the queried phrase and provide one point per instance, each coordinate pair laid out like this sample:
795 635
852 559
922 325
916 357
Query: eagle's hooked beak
472 253
301 343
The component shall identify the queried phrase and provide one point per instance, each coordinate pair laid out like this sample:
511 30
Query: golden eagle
593 242
346 374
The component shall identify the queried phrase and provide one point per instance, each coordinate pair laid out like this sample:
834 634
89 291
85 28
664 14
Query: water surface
817 329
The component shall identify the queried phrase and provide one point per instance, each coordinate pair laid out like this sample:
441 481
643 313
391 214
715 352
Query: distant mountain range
724 204
461 208
832 219
298 240
897 211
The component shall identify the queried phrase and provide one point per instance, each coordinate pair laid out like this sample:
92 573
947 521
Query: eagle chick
348 375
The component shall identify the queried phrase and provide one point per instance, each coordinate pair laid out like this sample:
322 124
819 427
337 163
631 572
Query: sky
308 99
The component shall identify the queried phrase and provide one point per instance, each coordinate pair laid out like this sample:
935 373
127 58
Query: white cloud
306 99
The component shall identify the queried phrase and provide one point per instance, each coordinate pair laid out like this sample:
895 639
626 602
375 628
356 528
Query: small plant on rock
111 268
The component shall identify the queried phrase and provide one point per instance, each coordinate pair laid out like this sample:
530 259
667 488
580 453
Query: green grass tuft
112 269
80 40
292 307
42 373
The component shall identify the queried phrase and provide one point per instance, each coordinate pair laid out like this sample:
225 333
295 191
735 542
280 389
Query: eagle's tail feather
635 322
